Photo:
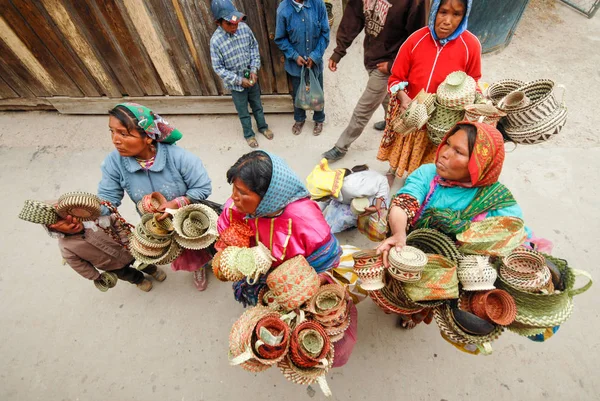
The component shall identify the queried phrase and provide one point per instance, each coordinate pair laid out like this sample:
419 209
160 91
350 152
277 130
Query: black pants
132 275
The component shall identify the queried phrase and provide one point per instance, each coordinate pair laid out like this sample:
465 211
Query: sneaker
268 134
297 127
200 279
145 285
318 129
334 154
159 275
379 125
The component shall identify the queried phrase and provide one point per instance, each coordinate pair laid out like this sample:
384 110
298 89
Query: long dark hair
471 131
255 169
127 118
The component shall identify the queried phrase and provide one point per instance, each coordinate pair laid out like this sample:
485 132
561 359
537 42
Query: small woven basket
443 317
268 353
38 212
485 113
526 270
493 236
500 89
457 90
438 281
432 241
82 205
475 273
368 266
301 347
293 283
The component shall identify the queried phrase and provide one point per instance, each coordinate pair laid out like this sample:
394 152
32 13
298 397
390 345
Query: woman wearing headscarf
269 196
462 186
422 63
276 205
146 160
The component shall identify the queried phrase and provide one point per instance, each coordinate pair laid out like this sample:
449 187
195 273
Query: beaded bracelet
409 204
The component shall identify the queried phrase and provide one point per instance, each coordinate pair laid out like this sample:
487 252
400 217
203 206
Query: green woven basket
438 281
432 241
38 213
547 310
493 236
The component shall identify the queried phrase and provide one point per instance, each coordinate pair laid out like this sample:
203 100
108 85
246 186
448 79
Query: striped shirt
232 54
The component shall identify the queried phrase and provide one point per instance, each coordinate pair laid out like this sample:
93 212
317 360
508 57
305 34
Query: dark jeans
300 114
241 100
132 275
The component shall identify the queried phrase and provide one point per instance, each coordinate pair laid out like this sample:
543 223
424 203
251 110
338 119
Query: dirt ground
61 339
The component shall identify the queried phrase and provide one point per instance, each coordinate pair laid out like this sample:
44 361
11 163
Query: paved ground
63 340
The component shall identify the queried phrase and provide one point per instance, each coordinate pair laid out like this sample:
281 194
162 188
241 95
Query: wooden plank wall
117 48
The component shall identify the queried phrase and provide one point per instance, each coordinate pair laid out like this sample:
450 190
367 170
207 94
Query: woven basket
307 376
107 281
228 268
271 353
428 99
438 281
358 205
485 113
493 236
514 100
475 273
368 266
500 89
293 283
547 310
418 116
447 325
202 218
526 270
457 90
81 205
496 306
168 256
216 266
542 104
240 339
390 303
471 323
329 8
147 250
38 212
237 234
305 353
432 241
541 131
445 117
436 134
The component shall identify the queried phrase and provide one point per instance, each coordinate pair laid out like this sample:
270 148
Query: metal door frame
577 7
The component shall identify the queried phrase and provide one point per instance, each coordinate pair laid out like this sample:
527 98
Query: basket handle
485 348
564 89
241 358
577 291
324 386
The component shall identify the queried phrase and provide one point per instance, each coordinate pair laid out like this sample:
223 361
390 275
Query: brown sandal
252 142
318 129
297 127
268 134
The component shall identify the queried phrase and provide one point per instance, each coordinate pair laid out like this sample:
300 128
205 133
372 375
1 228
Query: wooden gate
84 56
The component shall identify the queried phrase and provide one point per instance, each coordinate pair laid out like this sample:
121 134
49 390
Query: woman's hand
168 205
397 240
404 100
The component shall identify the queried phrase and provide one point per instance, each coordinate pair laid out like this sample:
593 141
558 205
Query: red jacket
424 63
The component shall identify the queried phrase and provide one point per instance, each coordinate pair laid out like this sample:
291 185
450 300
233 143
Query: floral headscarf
485 163
153 125
285 188
435 6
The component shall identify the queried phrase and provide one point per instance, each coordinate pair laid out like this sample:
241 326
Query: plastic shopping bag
310 94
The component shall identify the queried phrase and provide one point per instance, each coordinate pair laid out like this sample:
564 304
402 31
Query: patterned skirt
404 151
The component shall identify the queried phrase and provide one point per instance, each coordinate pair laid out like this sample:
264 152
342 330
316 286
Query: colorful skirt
404 151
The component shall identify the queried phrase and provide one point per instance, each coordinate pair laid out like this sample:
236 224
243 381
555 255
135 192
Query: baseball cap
226 10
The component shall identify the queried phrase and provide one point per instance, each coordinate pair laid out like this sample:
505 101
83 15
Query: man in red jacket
387 24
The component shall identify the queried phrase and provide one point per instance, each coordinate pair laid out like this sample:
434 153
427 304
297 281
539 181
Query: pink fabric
344 347
191 260
309 230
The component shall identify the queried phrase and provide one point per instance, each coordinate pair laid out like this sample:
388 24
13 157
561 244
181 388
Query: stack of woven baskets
83 206
533 114
476 290
160 241
456 92
294 327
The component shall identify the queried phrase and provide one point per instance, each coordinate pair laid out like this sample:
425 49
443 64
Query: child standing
236 60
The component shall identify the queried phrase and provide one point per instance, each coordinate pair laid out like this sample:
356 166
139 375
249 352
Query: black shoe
334 154
379 126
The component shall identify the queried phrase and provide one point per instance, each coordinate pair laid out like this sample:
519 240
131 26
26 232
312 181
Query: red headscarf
485 164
